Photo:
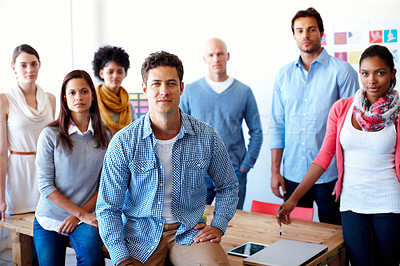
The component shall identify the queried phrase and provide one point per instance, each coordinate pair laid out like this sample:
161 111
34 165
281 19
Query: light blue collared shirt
131 194
300 106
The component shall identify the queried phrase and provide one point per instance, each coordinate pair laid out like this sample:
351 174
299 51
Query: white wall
257 33
48 32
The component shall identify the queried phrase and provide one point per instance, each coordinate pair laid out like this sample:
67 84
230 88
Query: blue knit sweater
225 113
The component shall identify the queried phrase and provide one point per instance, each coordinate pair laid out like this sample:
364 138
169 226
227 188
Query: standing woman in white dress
24 111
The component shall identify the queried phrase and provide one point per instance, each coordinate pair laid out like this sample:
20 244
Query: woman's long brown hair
102 135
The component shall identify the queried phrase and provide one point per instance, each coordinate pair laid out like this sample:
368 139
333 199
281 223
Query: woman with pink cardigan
363 133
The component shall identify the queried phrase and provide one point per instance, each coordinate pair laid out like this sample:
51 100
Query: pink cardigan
331 144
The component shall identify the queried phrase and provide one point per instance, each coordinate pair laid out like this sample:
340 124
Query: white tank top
370 183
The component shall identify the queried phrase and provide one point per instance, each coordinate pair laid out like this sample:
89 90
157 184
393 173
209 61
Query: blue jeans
51 246
242 178
328 209
372 239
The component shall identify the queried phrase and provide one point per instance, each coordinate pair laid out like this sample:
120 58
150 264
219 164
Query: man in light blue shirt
152 191
224 103
304 92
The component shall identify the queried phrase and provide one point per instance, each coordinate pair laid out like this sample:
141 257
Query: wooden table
244 227
21 230
263 228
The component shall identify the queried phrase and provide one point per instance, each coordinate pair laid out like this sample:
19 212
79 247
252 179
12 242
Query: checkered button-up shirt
131 194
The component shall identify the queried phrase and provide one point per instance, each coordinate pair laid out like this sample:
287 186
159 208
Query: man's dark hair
161 58
309 12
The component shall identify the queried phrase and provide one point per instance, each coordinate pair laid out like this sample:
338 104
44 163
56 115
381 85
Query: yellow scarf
117 104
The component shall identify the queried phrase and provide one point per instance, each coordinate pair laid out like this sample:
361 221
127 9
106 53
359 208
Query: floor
6 258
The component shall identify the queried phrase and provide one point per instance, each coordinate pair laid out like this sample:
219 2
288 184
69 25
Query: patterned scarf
117 104
380 114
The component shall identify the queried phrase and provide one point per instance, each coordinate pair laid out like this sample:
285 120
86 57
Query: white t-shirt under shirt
164 151
219 87
370 183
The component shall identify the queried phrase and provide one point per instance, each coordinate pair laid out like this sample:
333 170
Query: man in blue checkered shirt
153 191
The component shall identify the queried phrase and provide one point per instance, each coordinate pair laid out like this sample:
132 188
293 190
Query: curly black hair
107 54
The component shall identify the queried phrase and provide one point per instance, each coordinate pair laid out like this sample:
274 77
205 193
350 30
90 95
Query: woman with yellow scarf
111 64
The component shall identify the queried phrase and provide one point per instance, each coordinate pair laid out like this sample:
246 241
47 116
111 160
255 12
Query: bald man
223 102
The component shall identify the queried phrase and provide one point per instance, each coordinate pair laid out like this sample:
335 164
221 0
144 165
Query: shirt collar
74 129
323 58
186 126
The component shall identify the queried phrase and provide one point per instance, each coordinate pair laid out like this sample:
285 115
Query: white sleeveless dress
24 125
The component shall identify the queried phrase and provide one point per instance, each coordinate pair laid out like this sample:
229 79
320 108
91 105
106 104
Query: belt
23 153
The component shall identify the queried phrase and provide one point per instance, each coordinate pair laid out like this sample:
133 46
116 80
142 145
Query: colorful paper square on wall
375 36
390 36
341 55
323 39
354 57
340 37
139 101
